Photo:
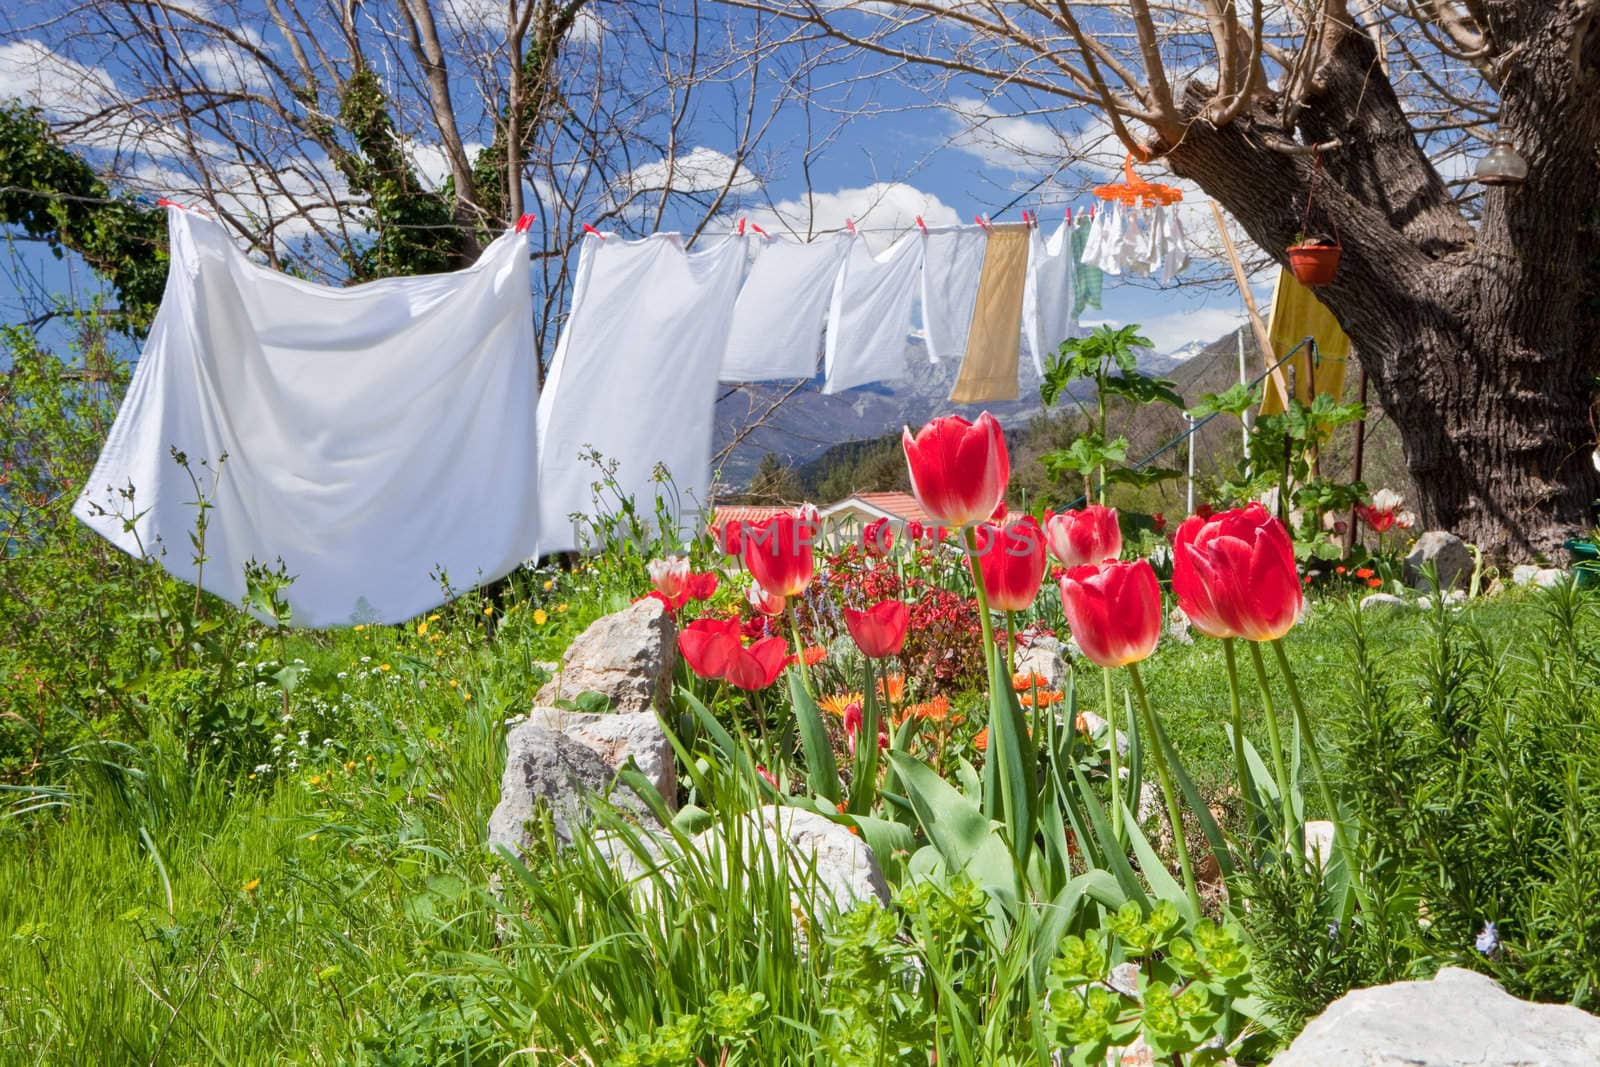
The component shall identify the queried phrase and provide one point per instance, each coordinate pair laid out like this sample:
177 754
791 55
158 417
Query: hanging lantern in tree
1502 166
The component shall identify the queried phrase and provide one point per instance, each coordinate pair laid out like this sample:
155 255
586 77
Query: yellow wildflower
383 666
466 696
422 627
251 885
561 609
433 618
349 765
837 702
549 584
453 683
488 609
539 617
359 627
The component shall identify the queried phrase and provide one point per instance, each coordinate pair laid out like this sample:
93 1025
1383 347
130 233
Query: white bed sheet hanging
634 379
952 264
782 307
373 434
1048 298
870 314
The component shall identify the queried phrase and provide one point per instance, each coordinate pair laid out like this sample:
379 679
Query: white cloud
58 86
1011 142
700 170
431 163
1169 332
489 16
227 68
888 209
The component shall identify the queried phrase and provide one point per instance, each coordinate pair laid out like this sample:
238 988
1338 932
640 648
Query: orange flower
1363 572
1029 680
895 684
1081 723
837 702
935 710
1373 583
1042 698
980 740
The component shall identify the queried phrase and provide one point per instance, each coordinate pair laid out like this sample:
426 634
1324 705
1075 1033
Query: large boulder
618 738
1448 554
628 656
547 769
1458 1019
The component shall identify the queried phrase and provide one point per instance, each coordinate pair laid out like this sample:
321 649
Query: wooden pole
1361 443
1269 355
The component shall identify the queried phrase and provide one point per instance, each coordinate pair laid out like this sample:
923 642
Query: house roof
741 513
890 505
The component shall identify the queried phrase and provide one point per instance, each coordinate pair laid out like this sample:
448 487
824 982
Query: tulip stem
1116 758
1179 843
984 622
1279 769
1247 790
992 771
1315 757
800 648
1011 644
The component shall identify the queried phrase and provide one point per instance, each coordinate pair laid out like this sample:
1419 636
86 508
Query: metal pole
1189 503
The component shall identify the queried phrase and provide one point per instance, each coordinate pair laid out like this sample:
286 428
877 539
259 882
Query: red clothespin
1069 215
590 229
759 230
923 226
850 224
981 221
741 227
525 222
164 202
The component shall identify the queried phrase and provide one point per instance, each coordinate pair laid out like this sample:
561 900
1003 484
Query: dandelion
466 696
359 627
422 627
561 609
251 886
349 765
539 617
383 666
315 779
488 609
453 684
549 584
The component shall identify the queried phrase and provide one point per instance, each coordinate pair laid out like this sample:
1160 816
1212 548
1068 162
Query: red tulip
759 665
1114 610
959 469
670 576
1011 561
852 727
914 530
881 629
763 601
877 538
1087 536
778 551
729 536
701 586
1235 574
709 645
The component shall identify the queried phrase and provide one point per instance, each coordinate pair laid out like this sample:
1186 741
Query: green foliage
416 233
124 242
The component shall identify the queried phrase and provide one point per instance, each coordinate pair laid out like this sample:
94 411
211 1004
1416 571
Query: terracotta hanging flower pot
1314 260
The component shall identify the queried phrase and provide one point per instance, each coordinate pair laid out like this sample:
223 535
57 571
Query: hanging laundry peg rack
1136 192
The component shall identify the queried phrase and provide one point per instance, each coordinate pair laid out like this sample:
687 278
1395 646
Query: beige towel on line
989 368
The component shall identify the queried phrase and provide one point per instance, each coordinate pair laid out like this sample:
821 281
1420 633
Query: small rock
1178 627
1449 555
1382 602
1045 661
618 738
1319 840
549 769
1458 1019
629 656
1096 727
1524 574
1549 577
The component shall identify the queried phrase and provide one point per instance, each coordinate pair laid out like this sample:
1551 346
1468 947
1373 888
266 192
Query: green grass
173 912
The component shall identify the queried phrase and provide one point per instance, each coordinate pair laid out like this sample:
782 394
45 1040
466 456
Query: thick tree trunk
1483 343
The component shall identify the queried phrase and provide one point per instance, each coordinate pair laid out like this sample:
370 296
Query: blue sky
904 153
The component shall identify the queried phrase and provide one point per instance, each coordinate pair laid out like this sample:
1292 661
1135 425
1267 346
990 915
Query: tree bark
1482 342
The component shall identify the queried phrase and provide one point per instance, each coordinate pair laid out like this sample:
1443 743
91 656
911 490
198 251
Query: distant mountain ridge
809 423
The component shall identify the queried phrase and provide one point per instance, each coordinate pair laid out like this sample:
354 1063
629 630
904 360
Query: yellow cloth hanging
1296 315
989 368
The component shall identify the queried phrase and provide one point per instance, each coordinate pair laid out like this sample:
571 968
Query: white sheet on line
951 265
373 434
870 314
634 379
782 307
1047 299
